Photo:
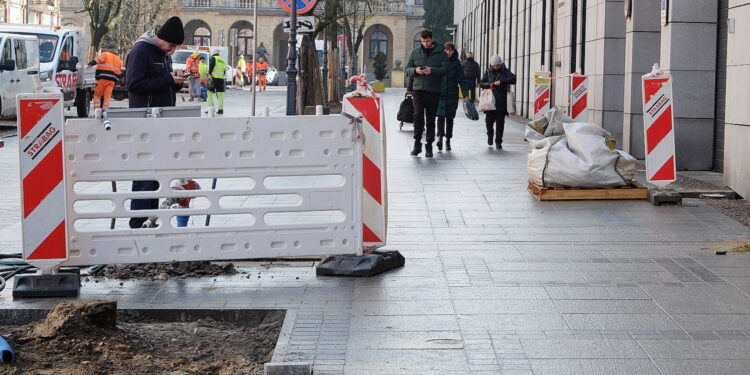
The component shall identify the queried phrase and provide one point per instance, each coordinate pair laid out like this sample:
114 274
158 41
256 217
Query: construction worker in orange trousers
261 68
108 71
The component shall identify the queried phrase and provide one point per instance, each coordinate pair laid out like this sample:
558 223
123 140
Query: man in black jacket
151 84
472 74
150 80
497 78
426 65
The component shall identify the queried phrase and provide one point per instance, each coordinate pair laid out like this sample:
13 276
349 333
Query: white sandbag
549 125
581 157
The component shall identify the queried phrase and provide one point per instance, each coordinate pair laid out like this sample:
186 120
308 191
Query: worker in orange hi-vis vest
194 79
250 72
261 69
108 71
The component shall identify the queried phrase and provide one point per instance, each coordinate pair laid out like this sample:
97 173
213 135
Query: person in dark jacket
454 76
472 74
150 80
426 65
497 78
151 84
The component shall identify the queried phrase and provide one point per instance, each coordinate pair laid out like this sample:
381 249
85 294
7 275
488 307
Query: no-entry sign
303 6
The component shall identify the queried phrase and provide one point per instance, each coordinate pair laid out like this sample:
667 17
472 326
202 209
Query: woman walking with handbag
453 84
497 78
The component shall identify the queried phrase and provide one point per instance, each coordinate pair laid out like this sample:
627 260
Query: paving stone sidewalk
495 282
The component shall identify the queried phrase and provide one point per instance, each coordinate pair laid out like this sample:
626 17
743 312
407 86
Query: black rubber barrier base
360 265
41 286
664 197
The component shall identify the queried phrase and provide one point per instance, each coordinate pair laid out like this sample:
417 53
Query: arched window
202 37
245 43
417 40
378 43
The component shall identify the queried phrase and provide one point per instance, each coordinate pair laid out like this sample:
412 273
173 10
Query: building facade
390 28
34 12
702 44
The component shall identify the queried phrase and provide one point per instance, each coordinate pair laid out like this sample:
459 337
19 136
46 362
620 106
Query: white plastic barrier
658 124
288 186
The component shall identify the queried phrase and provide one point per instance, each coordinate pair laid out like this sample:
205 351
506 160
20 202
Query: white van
19 69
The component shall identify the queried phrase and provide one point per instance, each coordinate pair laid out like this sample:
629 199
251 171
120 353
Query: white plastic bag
511 105
581 157
486 101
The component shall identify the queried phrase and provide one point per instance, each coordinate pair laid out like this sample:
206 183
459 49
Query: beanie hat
496 60
171 31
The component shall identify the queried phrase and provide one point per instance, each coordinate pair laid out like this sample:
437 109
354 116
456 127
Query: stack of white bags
566 153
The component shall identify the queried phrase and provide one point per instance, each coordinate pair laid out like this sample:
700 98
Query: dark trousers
445 127
143 204
496 118
425 108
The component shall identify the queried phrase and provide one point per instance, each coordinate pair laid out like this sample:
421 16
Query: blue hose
6 351
13 262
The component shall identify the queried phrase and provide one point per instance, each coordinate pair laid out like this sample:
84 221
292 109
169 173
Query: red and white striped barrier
40 120
579 88
542 84
366 104
658 121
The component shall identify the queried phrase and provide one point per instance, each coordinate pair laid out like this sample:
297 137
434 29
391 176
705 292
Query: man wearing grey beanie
497 78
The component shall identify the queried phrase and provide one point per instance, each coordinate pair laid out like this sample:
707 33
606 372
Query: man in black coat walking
151 84
472 74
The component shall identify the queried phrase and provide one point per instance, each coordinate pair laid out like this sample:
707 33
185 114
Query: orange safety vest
192 66
108 66
261 68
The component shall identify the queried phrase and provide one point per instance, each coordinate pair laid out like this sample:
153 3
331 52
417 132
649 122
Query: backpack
406 110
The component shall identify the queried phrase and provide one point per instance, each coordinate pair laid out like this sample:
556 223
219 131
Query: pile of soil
164 271
85 338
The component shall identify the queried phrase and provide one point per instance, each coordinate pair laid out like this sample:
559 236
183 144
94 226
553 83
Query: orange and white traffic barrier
542 85
579 88
365 103
658 121
40 120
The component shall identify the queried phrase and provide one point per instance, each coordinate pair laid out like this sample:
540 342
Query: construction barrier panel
579 87
658 122
41 165
287 187
542 85
365 104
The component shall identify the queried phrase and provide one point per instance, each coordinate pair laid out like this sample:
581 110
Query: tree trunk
334 94
314 81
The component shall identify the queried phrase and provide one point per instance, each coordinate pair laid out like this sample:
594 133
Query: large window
6 53
417 40
21 61
378 43
245 42
202 37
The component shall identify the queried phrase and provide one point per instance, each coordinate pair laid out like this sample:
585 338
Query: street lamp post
255 46
291 69
325 68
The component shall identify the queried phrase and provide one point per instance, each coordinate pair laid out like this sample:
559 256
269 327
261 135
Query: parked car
19 65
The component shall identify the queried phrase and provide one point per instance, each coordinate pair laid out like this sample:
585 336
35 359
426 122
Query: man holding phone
426 65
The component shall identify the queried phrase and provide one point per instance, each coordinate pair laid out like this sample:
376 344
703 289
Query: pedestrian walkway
495 282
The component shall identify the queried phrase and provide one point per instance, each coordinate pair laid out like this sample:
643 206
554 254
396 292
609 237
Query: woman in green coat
449 92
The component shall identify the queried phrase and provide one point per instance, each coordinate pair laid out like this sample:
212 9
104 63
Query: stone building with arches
229 23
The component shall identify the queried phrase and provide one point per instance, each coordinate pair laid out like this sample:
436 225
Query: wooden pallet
635 191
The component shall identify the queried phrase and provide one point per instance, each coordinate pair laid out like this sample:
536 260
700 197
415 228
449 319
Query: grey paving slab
582 348
608 306
620 321
593 367
405 323
597 292
696 349
702 366
702 322
407 340
511 322
406 360
700 299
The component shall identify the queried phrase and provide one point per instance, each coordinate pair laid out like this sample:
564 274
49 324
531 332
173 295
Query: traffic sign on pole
579 87
542 83
303 6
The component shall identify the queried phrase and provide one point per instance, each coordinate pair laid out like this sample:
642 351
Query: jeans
425 108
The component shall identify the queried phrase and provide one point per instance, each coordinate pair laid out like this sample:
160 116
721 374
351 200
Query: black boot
489 139
417 148
428 150
499 144
440 143
448 144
